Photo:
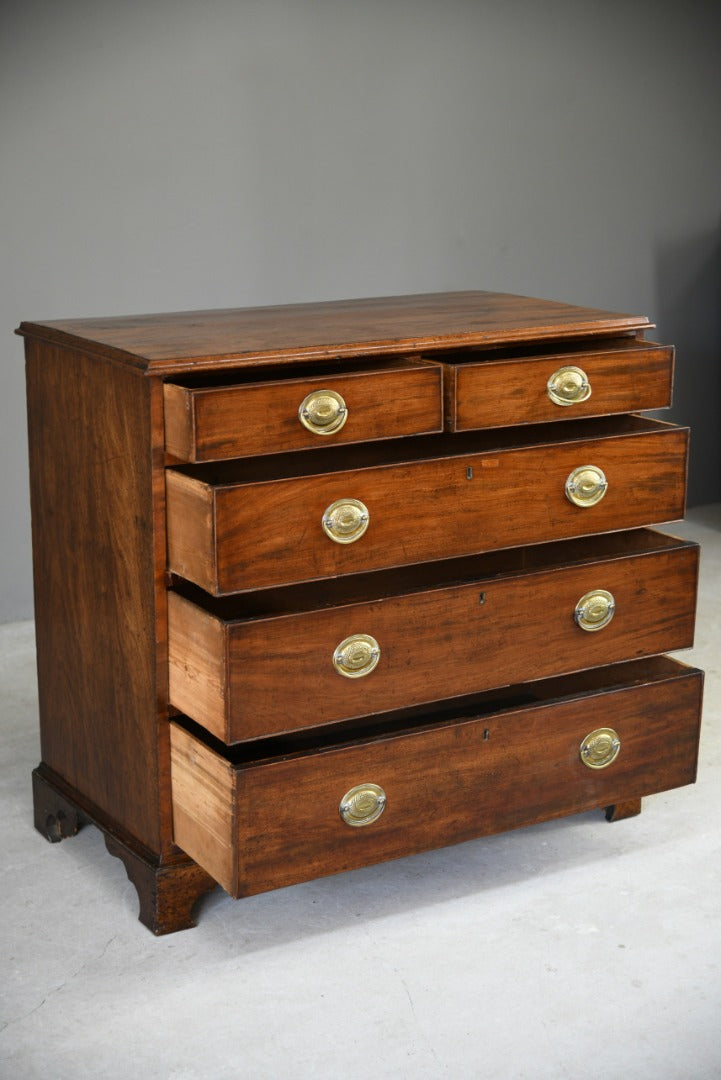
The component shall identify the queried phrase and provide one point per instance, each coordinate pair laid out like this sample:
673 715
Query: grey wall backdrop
166 154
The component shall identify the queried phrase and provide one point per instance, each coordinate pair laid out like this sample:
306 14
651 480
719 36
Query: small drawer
502 387
270 816
287 663
248 413
240 526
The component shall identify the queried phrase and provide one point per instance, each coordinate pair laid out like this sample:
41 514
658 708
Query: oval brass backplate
323 412
600 748
356 656
586 485
362 805
595 610
345 520
568 386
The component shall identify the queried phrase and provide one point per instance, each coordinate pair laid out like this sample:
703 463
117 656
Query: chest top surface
177 341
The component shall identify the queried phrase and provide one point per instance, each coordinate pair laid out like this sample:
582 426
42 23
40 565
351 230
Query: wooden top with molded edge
174 342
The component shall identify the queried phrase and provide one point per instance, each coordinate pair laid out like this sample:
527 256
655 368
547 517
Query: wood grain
190 523
269 533
492 392
622 810
204 804
209 423
197 662
436 644
471 721
168 343
168 885
444 784
95 553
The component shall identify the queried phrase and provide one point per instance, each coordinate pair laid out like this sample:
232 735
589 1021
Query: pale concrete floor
574 949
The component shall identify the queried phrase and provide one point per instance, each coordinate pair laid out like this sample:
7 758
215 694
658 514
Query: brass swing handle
568 386
323 412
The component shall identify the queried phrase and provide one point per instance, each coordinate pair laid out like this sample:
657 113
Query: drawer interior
400 451
409 721
255 374
475 354
422 577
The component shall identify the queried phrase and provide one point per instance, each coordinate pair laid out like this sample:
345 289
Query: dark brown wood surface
208 423
263 812
172 342
261 677
98 569
619 811
491 393
168 887
228 536
264 827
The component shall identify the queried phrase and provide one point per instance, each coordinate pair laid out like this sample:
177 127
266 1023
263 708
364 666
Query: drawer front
598 381
247 679
234 537
273 824
214 422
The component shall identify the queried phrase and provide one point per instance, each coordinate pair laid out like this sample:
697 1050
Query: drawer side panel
204 806
191 530
197 664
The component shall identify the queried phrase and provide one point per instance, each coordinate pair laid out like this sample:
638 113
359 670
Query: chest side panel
97 581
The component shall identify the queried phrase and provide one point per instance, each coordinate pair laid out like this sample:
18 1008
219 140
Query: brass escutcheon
356 656
323 412
586 485
345 520
362 805
600 748
595 610
568 386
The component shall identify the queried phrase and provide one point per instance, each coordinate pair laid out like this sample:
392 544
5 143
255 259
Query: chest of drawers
322 585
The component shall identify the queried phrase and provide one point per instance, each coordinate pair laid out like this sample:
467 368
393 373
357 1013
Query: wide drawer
235 527
248 412
576 605
257 823
499 387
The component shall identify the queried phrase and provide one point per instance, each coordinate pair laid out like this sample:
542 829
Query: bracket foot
167 891
621 810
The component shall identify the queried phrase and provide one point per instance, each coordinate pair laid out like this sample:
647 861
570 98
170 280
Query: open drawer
301 658
488 388
237 526
268 410
276 813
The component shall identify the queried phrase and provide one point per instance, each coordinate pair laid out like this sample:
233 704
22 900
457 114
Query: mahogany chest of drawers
322 585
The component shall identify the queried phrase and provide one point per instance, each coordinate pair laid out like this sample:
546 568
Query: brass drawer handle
586 485
345 520
362 805
356 656
595 610
568 386
600 748
323 412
